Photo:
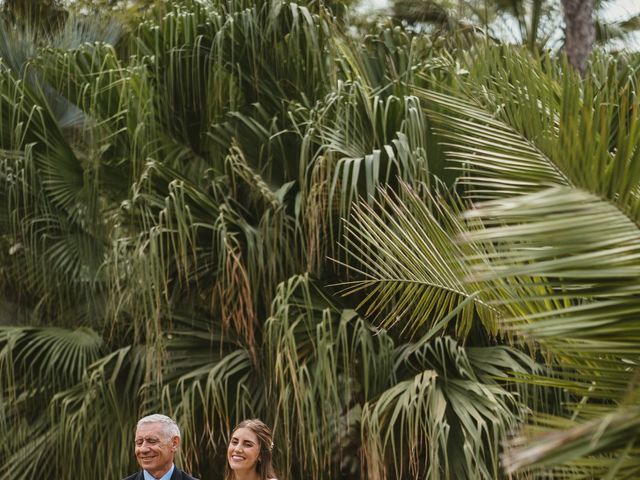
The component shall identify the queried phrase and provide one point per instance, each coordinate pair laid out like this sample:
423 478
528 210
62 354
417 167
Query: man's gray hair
169 426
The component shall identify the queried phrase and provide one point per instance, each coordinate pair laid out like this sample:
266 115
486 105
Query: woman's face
244 450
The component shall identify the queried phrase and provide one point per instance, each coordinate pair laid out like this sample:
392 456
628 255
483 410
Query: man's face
154 450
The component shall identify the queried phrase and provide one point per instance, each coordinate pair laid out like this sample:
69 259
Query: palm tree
241 211
545 235
168 207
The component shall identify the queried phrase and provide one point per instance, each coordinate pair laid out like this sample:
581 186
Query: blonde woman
249 455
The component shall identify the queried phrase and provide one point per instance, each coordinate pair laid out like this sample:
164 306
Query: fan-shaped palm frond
616 431
54 209
517 132
324 363
554 238
37 363
321 356
559 263
453 426
412 266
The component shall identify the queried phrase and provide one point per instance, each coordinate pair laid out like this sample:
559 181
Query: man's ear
175 443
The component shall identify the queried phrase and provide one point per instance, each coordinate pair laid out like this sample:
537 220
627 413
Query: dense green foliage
398 250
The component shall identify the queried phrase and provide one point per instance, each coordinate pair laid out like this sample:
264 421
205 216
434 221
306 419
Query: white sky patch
617 10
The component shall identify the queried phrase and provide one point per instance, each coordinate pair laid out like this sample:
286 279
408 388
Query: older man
157 441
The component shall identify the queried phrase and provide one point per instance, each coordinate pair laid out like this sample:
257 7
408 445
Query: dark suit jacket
177 475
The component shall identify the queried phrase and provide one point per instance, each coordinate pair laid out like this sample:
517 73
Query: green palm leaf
554 241
411 263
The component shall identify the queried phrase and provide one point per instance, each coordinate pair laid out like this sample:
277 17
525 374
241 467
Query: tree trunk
580 32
